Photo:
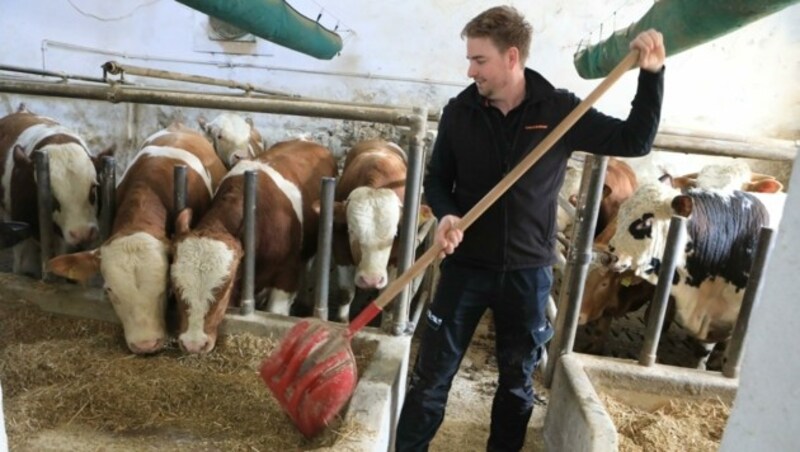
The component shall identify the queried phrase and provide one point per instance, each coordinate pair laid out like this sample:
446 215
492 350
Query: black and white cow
712 270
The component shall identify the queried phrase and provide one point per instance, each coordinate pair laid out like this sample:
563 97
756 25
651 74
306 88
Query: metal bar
115 68
658 308
249 273
117 93
408 225
108 202
62 75
725 148
752 294
580 254
45 209
179 189
324 248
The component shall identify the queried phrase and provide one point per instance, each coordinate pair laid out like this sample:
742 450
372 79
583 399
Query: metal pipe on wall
117 93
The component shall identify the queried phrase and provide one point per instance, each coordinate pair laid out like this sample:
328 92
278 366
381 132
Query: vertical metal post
580 255
45 209
248 276
179 196
408 226
108 202
752 293
676 238
324 248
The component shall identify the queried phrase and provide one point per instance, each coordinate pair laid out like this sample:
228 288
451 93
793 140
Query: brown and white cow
367 211
206 272
620 183
235 138
73 179
134 260
713 268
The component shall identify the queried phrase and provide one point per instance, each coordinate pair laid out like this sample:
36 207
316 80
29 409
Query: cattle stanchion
571 293
658 309
108 202
324 248
752 293
45 205
179 176
409 222
248 301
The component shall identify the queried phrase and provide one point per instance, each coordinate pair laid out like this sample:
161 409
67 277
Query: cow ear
682 205
765 186
183 222
607 191
339 212
20 157
77 266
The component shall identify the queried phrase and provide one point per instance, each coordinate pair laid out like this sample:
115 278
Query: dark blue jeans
518 300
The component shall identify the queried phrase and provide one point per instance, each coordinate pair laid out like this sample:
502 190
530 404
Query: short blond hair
504 26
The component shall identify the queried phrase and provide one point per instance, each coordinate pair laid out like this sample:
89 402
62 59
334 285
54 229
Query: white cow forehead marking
288 188
174 153
201 265
135 267
373 214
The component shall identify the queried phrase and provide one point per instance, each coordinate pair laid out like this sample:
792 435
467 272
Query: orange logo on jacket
536 127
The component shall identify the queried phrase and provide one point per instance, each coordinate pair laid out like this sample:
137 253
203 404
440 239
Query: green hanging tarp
683 23
275 21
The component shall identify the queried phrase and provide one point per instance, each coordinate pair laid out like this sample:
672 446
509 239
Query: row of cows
154 255
726 206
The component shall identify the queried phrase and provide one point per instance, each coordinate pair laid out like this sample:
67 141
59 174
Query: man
503 262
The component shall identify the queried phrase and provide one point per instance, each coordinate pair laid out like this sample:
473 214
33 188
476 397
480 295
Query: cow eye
643 227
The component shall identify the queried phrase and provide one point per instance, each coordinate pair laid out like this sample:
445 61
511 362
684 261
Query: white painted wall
410 53
765 411
400 54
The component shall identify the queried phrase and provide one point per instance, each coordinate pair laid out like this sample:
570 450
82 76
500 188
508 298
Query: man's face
488 67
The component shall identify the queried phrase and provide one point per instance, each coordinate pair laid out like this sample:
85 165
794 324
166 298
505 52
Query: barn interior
345 71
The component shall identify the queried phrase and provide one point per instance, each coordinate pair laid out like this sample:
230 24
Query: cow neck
142 210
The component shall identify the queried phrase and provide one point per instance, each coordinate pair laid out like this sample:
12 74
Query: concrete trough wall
373 407
576 417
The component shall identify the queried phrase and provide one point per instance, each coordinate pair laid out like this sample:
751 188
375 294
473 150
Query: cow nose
145 347
195 346
371 281
83 235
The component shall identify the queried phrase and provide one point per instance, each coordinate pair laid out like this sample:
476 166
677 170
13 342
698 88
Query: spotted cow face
643 224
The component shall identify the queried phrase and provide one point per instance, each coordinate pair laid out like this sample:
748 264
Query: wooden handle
478 209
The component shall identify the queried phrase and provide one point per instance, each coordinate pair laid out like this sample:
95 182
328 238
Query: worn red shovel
312 372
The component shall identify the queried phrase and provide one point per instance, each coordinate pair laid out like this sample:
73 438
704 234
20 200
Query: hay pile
678 426
76 376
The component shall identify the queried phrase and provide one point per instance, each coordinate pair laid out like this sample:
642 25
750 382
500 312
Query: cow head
203 272
231 135
74 189
642 227
134 268
603 294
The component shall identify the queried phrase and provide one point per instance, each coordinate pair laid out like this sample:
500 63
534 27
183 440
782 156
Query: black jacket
471 155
